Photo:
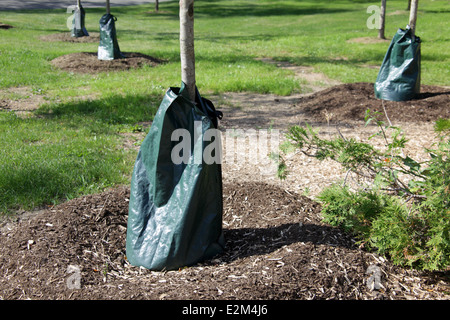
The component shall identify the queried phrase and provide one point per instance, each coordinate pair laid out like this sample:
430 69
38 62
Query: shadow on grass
216 8
115 109
69 150
313 60
51 159
54 172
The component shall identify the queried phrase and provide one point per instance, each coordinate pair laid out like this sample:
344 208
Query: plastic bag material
399 75
109 47
175 210
78 26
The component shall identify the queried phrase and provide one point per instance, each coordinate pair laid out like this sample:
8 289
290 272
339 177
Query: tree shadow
36 5
425 95
215 8
313 60
115 109
245 242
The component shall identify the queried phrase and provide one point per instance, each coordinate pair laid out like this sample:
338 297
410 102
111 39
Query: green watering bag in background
109 47
399 75
78 27
175 210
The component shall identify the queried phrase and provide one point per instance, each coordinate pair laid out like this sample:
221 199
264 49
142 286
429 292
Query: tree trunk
187 53
409 5
108 7
156 5
79 3
413 16
382 20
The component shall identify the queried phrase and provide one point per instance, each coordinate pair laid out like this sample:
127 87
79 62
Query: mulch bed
277 248
350 101
276 245
94 37
88 62
343 104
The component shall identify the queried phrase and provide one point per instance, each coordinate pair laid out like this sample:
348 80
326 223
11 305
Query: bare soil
67 37
368 40
350 102
344 104
277 247
24 100
88 62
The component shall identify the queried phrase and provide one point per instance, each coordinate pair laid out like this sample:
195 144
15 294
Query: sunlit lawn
73 146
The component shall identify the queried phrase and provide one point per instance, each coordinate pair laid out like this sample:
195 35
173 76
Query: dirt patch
88 62
368 40
398 12
349 102
277 248
344 103
21 100
24 100
66 37
251 110
311 81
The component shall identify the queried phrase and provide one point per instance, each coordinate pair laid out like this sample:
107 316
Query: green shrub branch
400 206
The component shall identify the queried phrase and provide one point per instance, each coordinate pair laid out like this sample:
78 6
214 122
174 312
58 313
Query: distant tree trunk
409 5
156 5
108 7
413 15
187 53
382 20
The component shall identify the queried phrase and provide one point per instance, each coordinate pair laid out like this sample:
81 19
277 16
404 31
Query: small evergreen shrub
400 207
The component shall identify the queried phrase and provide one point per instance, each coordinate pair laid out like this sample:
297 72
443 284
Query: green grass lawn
72 146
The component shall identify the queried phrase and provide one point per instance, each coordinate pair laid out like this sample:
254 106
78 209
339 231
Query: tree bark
156 5
409 5
79 3
413 16
108 7
382 20
187 53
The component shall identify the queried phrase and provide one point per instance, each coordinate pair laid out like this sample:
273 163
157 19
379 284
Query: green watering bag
78 27
109 47
399 75
175 209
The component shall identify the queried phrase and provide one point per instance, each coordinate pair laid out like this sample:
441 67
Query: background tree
108 48
413 15
187 53
382 20
78 28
